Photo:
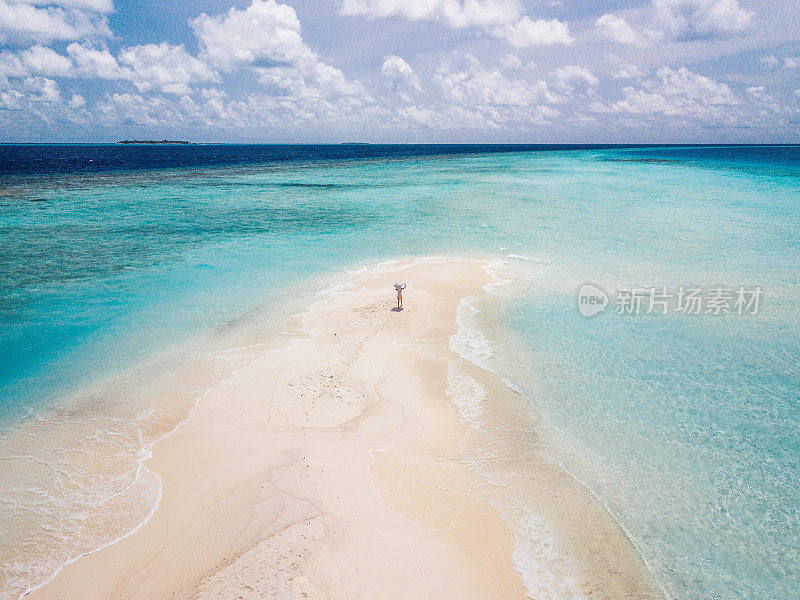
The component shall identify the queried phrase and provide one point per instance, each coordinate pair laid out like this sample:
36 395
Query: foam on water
82 528
466 396
526 258
86 491
483 340
469 342
545 570
75 479
538 557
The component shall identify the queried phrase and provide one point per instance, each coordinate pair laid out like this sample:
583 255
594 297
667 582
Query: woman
400 287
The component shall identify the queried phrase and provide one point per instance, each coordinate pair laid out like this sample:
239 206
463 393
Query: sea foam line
146 452
464 343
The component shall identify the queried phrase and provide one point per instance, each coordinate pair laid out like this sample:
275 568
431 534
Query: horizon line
507 144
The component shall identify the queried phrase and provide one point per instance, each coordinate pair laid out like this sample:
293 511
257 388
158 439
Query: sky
397 71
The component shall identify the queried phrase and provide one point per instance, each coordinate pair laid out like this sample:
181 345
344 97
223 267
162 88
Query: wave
545 569
499 442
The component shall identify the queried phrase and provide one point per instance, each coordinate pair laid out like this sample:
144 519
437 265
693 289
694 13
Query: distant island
153 142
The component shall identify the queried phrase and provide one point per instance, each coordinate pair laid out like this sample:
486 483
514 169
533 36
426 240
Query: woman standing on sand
400 287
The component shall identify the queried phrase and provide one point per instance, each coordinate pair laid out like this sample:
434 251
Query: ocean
684 423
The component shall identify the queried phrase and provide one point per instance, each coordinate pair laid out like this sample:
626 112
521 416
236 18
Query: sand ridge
332 469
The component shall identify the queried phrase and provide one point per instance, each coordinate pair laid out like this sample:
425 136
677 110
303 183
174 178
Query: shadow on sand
397 309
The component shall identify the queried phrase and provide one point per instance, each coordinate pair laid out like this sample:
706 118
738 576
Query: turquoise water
686 426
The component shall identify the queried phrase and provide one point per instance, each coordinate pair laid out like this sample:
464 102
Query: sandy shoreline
340 468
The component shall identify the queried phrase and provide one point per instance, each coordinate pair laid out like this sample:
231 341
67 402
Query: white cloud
42 89
687 84
165 67
139 110
46 61
771 62
81 60
308 77
38 60
501 18
44 21
11 65
475 98
98 6
448 118
542 113
572 77
676 92
474 85
469 13
511 61
91 62
260 111
637 101
765 101
266 36
77 101
265 32
274 81
298 88
629 72
400 74
697 19
526 32
11 99
617 29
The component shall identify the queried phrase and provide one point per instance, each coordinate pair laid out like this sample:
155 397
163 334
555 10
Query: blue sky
400 70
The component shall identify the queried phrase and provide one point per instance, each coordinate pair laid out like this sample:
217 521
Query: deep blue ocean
684 425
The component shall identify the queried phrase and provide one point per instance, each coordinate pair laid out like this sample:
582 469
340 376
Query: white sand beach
339 469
